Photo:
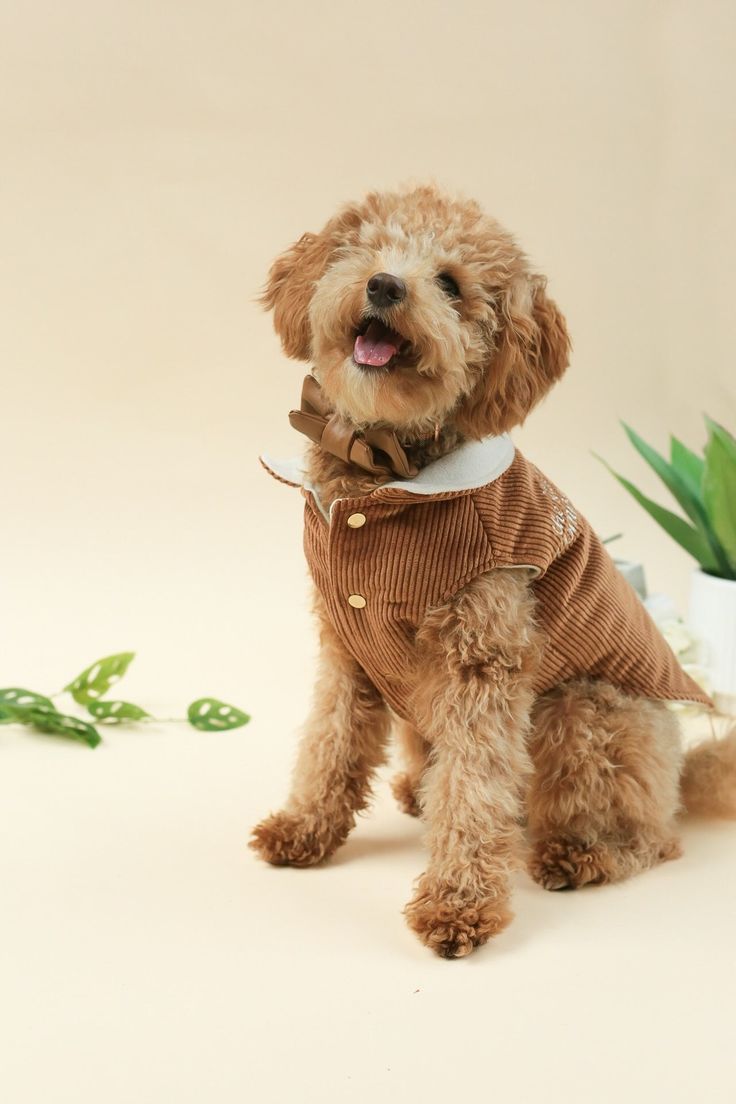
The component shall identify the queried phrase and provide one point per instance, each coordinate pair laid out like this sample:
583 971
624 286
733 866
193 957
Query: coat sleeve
528 521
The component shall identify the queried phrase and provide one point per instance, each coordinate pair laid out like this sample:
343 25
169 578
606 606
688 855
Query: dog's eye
448 285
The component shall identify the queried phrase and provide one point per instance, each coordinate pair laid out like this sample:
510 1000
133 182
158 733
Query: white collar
471 465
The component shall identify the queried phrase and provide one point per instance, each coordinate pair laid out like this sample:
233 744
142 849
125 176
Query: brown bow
376 450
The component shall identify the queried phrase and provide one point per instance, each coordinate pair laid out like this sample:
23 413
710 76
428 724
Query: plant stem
163 720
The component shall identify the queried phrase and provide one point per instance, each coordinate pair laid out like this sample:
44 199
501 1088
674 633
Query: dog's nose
385 290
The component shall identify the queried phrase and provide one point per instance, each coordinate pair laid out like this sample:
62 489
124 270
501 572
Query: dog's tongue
376 346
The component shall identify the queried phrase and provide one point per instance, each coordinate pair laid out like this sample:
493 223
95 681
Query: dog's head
416 310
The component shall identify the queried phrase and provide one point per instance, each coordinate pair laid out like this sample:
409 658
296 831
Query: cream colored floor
145 954
153 159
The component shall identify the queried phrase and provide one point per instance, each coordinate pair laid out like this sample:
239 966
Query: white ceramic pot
713 620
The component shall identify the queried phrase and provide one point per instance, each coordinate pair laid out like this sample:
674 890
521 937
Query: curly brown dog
460 596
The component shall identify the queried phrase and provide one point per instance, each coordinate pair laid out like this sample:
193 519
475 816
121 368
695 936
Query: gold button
357 601
356 520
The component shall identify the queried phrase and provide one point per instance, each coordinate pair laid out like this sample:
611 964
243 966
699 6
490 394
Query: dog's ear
292 278
529 351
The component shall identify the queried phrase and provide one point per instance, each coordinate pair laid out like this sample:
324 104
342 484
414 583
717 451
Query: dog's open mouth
376 345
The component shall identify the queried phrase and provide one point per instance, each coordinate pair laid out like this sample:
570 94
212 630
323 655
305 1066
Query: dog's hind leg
343 743
415 754
605 790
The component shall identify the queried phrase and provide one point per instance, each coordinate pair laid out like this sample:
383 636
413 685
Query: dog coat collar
471 465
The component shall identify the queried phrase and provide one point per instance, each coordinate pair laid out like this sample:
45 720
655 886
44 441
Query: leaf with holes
113 712
25 714
211 715
97 679
44 718
15 696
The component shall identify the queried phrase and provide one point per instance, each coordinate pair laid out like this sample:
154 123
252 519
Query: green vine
27 707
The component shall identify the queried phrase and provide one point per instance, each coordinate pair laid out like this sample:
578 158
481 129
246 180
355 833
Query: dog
462 600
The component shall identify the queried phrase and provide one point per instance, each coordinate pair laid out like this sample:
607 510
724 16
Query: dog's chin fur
407 398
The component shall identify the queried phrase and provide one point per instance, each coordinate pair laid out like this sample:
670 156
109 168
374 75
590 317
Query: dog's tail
708 781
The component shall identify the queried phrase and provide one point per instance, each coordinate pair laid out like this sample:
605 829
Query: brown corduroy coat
380 561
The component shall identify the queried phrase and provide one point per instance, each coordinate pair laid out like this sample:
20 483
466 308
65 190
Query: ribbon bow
376 450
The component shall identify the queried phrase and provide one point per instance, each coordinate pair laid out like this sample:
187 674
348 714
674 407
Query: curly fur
599 775
709 778
344 741
605 789
504 317
475 718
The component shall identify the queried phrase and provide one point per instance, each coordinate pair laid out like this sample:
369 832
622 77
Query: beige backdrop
154 158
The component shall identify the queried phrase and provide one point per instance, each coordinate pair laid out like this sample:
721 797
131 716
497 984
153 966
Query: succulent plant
705 489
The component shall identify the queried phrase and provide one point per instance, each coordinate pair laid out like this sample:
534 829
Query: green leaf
58 724
46 719
685 535
15 696
719 492
688 465
97 679
689 501
211 715
726 439
669 475
113 712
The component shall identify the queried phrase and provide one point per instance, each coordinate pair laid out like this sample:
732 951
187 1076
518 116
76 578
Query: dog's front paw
292 839
451 925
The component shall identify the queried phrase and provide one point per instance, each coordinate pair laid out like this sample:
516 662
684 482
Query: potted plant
705 489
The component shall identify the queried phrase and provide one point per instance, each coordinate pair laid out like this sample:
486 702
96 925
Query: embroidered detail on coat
564 516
